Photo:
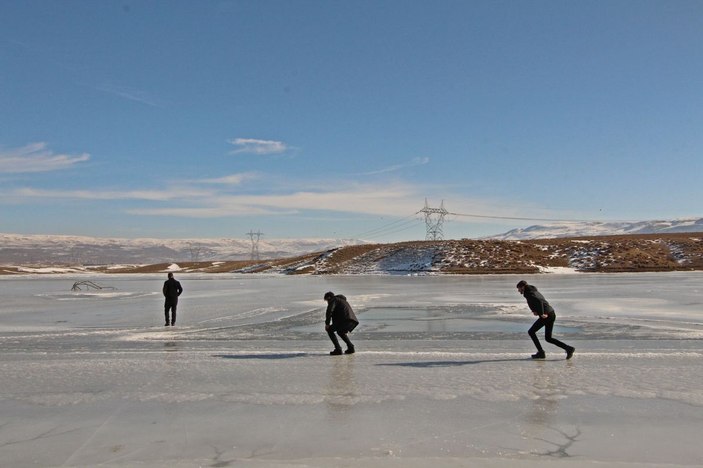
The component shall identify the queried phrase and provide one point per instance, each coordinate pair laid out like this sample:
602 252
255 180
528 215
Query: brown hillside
634 253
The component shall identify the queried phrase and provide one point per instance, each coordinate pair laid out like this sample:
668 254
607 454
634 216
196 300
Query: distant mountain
56 249
587 229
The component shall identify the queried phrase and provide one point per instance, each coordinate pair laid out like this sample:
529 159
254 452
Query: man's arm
328 313
535 304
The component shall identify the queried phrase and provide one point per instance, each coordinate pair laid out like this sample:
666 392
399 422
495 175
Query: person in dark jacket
172 289
546 318
339 318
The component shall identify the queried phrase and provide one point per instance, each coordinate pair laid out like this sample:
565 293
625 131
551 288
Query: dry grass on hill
636 253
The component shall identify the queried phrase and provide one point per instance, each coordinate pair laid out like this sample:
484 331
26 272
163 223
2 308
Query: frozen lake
441 377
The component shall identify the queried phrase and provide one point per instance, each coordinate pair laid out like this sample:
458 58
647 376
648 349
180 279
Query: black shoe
166 324
349 350
336 352
570 352
538 355
173 324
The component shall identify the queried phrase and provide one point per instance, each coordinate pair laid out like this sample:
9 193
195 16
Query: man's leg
345 337
539 323
548 338
166 308
173 314
335 342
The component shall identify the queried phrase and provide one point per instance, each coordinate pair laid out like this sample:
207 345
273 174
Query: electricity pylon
194 251
255 243
434 218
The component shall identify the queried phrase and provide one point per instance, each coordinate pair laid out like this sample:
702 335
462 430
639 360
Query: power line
392 226
521 219
408 225
390 230
434 226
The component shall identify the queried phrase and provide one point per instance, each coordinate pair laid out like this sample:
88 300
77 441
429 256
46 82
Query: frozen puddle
440 320
469 319
442 375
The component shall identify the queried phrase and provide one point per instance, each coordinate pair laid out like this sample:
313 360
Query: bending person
546 318
340 319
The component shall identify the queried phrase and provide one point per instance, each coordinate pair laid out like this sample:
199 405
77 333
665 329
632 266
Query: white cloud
380 198
383 199
414 162
209 212
366 198
148 195
261 147
232 179
35 157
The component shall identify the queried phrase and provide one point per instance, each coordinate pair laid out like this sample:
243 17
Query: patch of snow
558 270
50 270
121 267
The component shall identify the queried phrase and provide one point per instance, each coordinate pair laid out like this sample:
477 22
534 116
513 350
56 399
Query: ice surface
441 377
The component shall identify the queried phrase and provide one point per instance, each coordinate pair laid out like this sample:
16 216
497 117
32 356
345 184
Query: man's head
170 275
328 296
521 286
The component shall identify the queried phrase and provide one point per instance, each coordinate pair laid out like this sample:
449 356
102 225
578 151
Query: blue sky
201 119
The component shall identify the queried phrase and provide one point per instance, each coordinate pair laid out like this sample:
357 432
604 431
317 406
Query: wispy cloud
412 163
232 179
146 195
210 212
260 147
35 157
382 199
130 94
190 199
187 200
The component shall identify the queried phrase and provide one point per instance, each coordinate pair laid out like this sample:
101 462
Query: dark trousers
172 307
343 334
548 324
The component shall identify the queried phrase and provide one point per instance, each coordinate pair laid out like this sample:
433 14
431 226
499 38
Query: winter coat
340 313
172 289
536 301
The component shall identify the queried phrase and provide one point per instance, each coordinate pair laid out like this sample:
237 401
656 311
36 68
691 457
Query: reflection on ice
341 392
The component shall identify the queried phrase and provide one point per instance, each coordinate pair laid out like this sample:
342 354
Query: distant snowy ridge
589 229
47 249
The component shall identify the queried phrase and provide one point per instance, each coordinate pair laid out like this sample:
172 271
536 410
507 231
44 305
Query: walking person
546 318
340 319
172 289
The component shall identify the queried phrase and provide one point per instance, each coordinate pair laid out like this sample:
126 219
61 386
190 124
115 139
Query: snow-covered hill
588 229
52 249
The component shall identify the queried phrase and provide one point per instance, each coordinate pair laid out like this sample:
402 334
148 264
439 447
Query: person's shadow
424 364
266 356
